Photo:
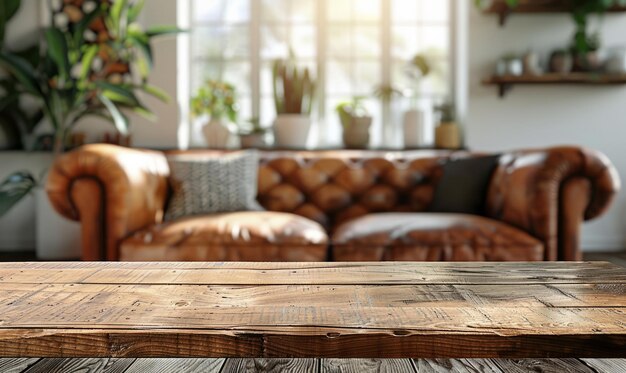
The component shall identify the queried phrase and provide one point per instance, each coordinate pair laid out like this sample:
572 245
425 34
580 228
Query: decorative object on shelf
356 123
72 79
216 101
418 122
531 63
510 64
253 135
616 62
448 133
294 94
585 44
561 62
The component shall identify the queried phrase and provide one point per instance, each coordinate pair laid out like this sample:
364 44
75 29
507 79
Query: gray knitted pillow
213 184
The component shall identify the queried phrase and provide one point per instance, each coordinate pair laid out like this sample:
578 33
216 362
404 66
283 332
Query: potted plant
356 123
216 102
417 120
253 135
72 78
447 134
294 93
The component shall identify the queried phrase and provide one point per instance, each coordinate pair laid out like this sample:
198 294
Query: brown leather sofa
337 205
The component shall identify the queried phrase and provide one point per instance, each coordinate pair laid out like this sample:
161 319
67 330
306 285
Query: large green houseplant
65 76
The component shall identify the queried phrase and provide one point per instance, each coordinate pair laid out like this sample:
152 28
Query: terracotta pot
292 131
448 136
356 135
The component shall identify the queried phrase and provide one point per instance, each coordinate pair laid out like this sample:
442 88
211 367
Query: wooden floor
308 365
321 365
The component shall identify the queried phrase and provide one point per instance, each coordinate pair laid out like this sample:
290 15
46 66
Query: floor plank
16 365
607 365
176 365
271 365
366 365
69 365
456 366
543 365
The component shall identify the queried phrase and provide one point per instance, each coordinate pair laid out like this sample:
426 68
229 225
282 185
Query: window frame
456 59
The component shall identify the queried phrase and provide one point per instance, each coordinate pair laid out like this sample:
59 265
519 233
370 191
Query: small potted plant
253 135
215 103
447 134
356 123
294 94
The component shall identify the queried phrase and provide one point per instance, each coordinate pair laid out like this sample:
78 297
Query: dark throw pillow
464 185
209 185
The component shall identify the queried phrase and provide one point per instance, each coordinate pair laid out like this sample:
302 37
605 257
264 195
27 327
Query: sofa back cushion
332 187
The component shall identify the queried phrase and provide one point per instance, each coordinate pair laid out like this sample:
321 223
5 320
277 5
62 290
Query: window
354 46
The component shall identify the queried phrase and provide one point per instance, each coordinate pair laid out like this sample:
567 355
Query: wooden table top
324 310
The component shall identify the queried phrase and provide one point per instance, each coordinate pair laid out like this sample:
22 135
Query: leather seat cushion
432 237
238 236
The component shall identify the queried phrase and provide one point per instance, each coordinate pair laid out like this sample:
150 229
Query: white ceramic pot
357 134
217 134
292 130
57 237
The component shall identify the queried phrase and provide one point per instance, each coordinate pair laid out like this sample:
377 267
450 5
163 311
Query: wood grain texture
80 365
242 273
544 366
271 365
366 366
456 366
606 365
176 365
328 310
16 365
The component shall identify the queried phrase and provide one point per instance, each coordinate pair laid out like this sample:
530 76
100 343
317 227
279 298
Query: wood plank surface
243 273
271 365
16 365
176 365
80 365
315 365
456 366
366 366
330 310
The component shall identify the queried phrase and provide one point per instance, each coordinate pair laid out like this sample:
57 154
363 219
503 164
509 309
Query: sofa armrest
550 192
113 191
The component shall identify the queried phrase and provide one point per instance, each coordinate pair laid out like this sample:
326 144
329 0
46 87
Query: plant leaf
163 30
13 189
8 9
156 92
119 119
88 57
22 71
118 93
58 51
135 10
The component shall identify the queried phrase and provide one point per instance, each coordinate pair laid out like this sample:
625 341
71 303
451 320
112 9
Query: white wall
548 115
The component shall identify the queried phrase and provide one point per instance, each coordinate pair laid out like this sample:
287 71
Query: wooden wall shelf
505 83
503 11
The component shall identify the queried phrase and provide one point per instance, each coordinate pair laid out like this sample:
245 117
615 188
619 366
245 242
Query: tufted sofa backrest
331 187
